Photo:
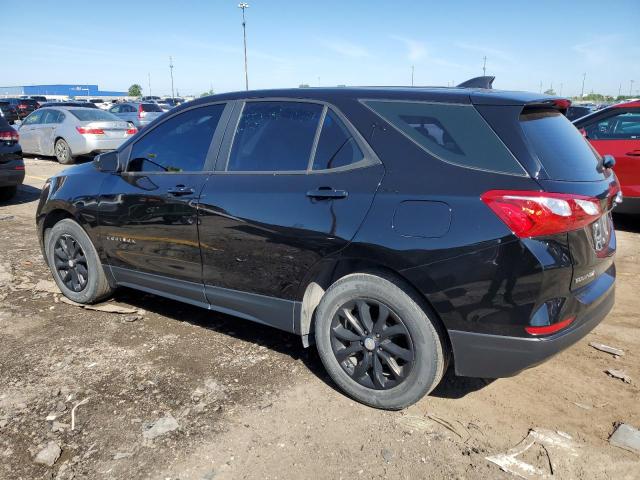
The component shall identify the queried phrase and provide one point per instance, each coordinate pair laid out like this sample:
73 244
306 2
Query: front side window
456 134
34 118
50 116
336 146
274 136
623 126
180 144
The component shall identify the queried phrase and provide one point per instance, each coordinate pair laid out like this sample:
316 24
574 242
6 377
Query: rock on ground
49 454
160 427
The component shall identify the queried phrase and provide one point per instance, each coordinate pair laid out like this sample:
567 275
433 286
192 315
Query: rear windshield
28 101
456 134
151 107
561 149
93 115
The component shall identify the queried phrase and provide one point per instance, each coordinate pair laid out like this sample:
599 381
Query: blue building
73 90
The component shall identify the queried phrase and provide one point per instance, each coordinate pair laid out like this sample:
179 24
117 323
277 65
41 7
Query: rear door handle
634 153
327 192
181 190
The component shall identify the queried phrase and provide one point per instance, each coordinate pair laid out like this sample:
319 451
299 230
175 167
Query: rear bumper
91 144
496 356
10 178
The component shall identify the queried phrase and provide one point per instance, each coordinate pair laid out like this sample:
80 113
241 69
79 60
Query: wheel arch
327 272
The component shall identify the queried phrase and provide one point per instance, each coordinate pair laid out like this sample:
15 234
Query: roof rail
478 82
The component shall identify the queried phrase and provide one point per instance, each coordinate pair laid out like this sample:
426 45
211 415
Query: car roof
476 96
632 104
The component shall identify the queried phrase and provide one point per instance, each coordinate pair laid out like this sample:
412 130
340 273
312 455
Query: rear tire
7 193
74 263
63 152
386 370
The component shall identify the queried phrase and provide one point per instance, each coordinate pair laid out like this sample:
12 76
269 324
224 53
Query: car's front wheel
63 152
75 264
376 341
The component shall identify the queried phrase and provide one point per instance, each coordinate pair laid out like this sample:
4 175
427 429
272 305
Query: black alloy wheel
372 344
71 263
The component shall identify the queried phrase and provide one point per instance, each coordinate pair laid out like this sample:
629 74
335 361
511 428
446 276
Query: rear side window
561 149
336 146
456 134
151 107
274 136
179 144
623 126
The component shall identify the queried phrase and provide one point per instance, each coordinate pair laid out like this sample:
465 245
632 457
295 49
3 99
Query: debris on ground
105 307
5 275
46 286
558 449
387 455
607 349
73 412
132 318
160 427
627 437
619 374
49 455
6 217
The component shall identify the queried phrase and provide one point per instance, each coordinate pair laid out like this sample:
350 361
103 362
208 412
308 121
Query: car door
29 132
148 214
47 131
292 184
619 135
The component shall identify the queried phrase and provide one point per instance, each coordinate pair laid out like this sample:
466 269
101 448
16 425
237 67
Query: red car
615 131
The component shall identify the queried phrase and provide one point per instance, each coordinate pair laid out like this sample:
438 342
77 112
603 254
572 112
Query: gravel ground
174 392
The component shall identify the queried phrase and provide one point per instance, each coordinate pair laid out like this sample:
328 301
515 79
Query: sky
115 43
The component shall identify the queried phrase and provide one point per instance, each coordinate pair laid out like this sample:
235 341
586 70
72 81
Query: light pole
631 88
484 66
584 76
173 98
149 75
244 6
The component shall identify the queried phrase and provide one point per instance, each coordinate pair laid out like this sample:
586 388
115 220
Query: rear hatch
149 111
571 173
98 122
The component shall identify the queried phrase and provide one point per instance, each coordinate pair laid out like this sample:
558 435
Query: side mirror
608 161
108 162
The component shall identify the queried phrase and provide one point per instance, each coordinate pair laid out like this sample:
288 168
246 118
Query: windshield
91 115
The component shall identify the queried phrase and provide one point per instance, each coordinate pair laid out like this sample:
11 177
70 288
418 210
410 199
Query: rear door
292 185
619 135
148 214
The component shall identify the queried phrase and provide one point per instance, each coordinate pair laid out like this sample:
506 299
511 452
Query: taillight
19 167
22 106
90 131
549 329
141 112
132 131
531 214
9 135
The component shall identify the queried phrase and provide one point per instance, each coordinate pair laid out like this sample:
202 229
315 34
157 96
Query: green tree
135 90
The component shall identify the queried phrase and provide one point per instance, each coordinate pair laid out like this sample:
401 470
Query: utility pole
540 86
412 72
560 93
584 76
244 6
484 66
631 89
620 89
149 75
173 97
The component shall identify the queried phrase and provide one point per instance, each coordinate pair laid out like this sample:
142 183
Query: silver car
139 114
67 132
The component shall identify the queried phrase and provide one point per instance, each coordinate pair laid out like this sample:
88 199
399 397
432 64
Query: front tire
63 152
75 264
377 343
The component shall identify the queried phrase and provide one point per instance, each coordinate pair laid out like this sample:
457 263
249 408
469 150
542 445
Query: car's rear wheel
75 264
376 341
63 152
7 193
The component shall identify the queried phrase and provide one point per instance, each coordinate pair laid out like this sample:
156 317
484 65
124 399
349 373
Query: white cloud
415 50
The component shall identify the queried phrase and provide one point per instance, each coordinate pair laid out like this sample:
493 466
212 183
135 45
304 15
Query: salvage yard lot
173 391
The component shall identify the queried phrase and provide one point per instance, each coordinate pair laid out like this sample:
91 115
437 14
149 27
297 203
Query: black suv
11 162
399 228
23 106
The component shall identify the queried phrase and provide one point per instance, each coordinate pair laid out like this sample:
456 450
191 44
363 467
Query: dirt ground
175 392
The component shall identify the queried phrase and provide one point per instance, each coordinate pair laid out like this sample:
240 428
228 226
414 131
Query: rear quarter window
456 134
562 150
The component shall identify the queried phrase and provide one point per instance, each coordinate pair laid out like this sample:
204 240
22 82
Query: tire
63 152
95 286
7 193
407 314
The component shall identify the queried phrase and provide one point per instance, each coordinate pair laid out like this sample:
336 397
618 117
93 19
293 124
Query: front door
29 132
148 214
292 185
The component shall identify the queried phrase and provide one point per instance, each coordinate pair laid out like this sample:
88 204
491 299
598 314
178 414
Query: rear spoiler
478 82
560 104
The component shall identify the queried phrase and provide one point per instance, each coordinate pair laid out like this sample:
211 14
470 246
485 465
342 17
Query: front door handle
327 192
634 153
181 190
